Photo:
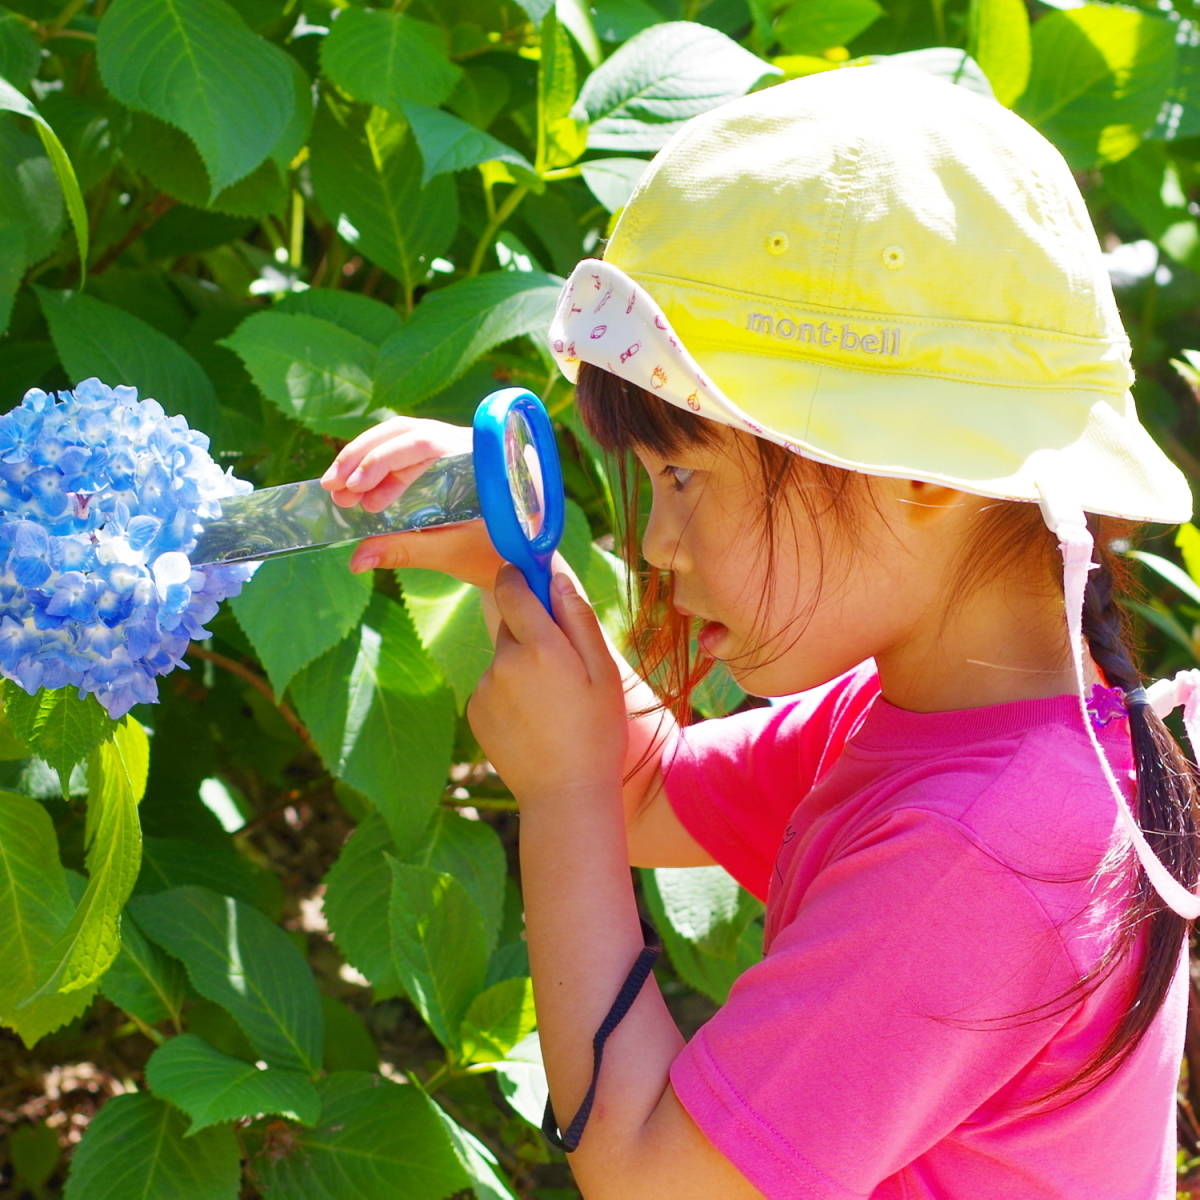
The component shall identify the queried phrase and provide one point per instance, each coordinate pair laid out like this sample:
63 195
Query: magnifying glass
512 479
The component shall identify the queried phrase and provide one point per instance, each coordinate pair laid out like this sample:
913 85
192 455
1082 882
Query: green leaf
145 982
448 617
522 1079
310 369
12 101
562 136
945 62
376 1141
1000 44
576 18
1163 621
612 180
195 65
1187 539
348 1044
367 177
381 715
30 199
95 339
470 851
811 26
386 58
498 1019
1179 116
35 1153
368 319
358 890
706 906
12 267
35 910
134 1146
453 326
480 1164
170 160
1099 78
718 693
711 974
1170 572
448 143
57 726
238 958
661 78
116 783
438 946
20 55
213 1088
323 600
173 862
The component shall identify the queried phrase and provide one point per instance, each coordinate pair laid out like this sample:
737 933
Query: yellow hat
884 272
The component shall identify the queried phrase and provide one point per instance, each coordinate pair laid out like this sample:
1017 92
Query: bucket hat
885 272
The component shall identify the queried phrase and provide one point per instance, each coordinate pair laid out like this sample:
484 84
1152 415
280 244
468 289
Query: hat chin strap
1067 522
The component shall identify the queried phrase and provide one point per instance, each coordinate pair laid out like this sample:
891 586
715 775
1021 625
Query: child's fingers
393 446
393 486
350 455
521 610
577 619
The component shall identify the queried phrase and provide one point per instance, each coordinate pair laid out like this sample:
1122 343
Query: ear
923 504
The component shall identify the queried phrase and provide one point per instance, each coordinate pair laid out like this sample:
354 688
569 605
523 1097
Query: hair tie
1137 698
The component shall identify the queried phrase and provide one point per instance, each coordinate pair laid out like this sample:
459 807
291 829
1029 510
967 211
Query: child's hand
375 468
550 710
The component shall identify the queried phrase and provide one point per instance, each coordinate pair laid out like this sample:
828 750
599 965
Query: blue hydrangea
101 500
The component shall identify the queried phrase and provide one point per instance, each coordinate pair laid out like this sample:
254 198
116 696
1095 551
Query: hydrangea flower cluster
101 500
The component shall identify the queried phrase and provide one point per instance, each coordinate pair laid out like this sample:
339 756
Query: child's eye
678 475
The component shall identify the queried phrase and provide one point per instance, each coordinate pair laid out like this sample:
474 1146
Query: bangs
623 417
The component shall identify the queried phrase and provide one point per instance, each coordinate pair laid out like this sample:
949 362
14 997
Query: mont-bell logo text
881 339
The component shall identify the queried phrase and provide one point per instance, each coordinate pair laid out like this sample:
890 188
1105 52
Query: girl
857 331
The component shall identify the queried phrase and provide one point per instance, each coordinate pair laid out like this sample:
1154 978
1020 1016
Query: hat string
1067 522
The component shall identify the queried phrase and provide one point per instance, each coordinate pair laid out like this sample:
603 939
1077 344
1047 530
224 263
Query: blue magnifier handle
525 527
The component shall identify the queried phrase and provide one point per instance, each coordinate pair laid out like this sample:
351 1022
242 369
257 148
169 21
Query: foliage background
298 216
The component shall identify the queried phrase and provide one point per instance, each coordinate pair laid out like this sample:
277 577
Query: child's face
824 601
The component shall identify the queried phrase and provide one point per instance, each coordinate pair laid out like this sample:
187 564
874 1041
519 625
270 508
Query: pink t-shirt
929 884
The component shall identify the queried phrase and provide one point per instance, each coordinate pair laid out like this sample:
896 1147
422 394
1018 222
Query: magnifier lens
524 474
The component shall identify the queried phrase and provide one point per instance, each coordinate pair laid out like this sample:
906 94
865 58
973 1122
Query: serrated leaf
239 959
612 180
448 143
368 319
562 137
386 58
382 716
195 65
35 910
57 726
480 1164
96 339
13 101
1099 78
472 853
377 1140
448 616
113 836
310 369
438 946
20 55
366 174
1000 44
323 598
134 1146
358 890
647 89
348 1043
453 326
522 1079
30 198
174 862
498 1019
144 981
213 1088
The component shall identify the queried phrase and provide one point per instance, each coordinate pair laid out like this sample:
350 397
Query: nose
662 543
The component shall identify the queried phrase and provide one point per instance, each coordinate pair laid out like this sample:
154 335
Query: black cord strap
638 974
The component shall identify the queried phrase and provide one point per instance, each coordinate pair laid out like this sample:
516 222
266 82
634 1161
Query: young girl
857 331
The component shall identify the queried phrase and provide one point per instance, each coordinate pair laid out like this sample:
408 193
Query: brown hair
621 416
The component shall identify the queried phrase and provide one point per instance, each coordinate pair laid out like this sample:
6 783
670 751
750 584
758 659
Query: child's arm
551 715
373 470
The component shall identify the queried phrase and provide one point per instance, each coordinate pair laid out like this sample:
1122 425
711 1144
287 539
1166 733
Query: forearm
584 935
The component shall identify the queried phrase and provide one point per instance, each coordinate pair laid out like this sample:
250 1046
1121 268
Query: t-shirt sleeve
895 1004
734 781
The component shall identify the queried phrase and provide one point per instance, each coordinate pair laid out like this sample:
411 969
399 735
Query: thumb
577 620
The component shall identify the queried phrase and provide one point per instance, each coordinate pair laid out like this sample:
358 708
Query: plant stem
258 682
146 1030
296 249
505 211
155 209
